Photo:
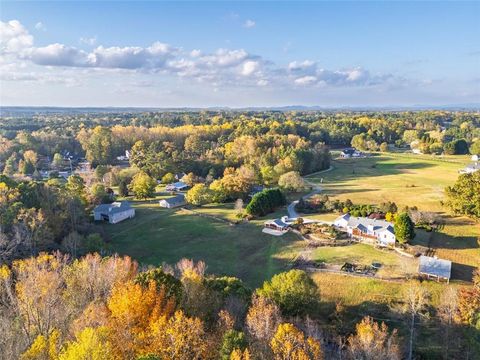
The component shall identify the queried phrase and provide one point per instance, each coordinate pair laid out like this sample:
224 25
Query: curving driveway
316 189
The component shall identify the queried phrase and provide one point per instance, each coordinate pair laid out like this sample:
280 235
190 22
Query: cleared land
158 235
409 180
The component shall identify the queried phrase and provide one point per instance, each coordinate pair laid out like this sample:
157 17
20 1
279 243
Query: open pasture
410 180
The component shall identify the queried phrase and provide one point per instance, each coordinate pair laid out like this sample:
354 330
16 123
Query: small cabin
173 202
277 224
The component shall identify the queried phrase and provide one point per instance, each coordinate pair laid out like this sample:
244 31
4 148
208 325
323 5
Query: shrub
293 291
265 202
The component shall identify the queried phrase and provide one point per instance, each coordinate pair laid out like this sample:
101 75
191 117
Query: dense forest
222 155
63 293
92 308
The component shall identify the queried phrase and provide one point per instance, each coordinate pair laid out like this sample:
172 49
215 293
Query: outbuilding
114 212
177 186
173 202
277 224
432 267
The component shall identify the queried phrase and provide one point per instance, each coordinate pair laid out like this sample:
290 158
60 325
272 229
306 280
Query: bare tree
262 321
416 300
188 265
447 310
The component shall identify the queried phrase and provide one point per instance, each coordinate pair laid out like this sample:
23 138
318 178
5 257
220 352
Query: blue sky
170 54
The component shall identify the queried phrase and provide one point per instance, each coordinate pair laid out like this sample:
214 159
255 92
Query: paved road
316 189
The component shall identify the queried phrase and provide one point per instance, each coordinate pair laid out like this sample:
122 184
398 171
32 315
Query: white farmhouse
114 212
367 229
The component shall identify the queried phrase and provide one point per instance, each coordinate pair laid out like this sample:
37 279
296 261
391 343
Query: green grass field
159 235
363 254
409 180
404 179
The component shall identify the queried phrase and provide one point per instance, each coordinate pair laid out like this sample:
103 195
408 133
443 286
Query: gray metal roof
179 199
278 222
437 267
113 208
363 223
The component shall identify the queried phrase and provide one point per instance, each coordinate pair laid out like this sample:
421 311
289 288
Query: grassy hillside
404 179
159 235
410 180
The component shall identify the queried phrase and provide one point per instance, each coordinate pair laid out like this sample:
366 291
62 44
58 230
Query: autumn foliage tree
293 291
289 343
143 186
133 309
374 342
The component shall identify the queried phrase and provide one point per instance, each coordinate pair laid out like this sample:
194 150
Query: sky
239 54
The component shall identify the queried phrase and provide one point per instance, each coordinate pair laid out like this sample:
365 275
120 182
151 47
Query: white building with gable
362 228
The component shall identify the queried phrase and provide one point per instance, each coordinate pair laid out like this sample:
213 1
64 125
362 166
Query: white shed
432 267
114 212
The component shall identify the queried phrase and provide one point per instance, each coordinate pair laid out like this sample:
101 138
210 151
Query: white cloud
114 57
225 58
119 57
221 68
249 24
263 82
89 41
249 67
40 26
59 55
195 53
14 37
306 80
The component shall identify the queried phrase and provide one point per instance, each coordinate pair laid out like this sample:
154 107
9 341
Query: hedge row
265 202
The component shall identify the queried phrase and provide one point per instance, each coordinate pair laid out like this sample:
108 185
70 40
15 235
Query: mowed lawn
410 180
158 235
404 179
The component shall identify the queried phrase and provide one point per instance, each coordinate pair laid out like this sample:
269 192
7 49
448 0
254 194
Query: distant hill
33 110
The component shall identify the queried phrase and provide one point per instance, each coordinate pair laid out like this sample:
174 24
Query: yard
158 235
363 254
409 180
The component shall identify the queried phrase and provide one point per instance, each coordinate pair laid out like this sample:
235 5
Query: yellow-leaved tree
373 341
90 343
179 338
237 354
133 310
289 343
44 347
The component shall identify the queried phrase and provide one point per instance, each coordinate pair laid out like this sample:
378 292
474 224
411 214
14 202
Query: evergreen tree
404 228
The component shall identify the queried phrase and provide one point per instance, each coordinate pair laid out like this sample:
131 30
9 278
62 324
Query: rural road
292 213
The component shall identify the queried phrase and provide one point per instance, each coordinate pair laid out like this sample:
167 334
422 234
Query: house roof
349 150
364 223
475 166
277 222
433 266
113 208
178 184
179 199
